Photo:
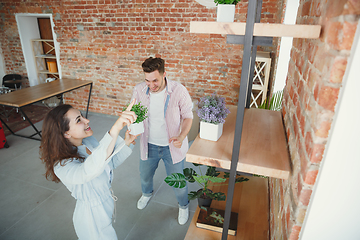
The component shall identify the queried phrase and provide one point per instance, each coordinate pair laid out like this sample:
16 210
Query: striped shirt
178 106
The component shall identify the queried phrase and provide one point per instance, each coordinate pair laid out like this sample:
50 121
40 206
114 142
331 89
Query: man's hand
177 141
185 128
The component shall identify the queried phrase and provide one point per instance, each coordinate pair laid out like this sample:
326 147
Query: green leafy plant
212 109
139 110
226 2
275 102
217 218
178 180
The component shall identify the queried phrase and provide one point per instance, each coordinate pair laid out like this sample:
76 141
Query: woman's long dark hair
54 146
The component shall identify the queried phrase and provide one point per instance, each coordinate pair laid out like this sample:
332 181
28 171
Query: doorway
38 26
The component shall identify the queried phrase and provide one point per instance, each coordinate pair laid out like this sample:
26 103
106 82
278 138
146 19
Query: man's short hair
152 64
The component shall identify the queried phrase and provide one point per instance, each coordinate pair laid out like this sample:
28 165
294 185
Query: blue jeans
148 168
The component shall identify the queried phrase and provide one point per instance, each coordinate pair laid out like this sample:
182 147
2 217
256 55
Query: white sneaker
183 215
143 201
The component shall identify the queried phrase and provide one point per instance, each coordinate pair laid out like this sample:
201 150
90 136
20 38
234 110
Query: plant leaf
211 171
201 179
276 101
241 179
219 196
194 195
197 164
217 179
176 180
189 173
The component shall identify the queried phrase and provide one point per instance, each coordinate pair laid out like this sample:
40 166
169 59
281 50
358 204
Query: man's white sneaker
143 201
183 215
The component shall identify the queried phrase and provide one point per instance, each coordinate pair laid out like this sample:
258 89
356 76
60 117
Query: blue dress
90 184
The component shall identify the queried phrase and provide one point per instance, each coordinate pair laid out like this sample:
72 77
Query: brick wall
107 40
315 75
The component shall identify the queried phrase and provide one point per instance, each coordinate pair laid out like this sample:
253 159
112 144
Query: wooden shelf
47 72
46 56
43 40
251 202
263 148
260 29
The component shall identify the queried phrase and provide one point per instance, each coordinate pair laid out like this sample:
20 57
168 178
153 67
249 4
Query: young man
165 137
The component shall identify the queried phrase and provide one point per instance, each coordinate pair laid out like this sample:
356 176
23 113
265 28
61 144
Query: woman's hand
130 138
127 117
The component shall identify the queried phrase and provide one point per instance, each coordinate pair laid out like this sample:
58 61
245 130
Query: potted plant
212 113
225 10
204 194
138 126
275 102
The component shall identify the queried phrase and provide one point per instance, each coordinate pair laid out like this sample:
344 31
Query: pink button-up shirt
178 106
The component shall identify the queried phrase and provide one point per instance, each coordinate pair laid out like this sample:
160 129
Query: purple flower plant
212 109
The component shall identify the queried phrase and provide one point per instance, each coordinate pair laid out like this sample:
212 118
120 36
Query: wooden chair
12 82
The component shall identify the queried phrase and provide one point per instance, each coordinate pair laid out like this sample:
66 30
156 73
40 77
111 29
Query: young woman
85 166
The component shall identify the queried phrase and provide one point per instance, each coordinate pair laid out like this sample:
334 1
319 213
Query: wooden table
263 148
27 96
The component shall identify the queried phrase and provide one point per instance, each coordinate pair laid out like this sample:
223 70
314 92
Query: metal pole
240 112
87 108
253 55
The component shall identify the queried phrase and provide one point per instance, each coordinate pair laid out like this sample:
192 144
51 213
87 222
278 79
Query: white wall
28 30
334 208
285 46
2 66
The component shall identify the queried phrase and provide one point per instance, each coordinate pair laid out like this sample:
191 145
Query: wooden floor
251 202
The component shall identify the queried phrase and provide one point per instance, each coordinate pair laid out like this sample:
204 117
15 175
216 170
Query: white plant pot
210 131
225 13
136 128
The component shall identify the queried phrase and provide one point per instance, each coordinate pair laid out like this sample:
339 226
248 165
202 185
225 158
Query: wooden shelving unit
255 141
263 151
41 58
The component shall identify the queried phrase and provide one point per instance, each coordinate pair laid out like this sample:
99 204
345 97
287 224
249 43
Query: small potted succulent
212 112
226 10
138 126
204 194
